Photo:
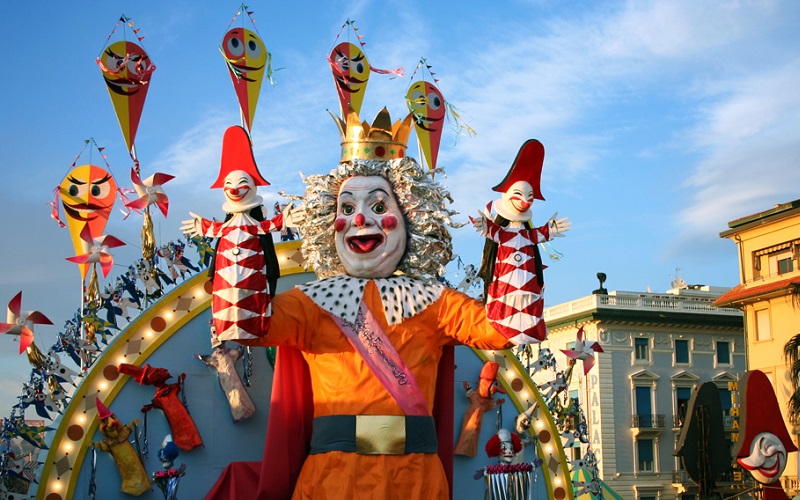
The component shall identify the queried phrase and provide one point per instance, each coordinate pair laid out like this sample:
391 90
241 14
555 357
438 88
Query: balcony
732 480
678 420
638 302
647 424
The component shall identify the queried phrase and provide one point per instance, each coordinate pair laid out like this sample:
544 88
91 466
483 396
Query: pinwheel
150 192
127 70
247 58
584 350
97 251
427 104
19 323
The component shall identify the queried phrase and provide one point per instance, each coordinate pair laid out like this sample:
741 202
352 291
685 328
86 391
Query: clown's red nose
360 220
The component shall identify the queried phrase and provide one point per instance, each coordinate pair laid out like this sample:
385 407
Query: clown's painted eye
379 208
348 209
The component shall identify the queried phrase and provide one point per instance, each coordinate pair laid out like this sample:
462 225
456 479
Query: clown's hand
293 216
479 223
191 227
558 226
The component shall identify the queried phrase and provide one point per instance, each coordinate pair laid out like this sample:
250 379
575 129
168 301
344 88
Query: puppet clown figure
245 268
370 229
512 266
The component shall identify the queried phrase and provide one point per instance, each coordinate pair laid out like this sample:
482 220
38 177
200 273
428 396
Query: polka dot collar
402 297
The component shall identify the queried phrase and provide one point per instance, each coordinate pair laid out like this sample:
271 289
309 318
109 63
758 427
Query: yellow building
769 294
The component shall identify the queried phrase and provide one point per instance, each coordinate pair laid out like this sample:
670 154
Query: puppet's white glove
191 227
293 216
558 226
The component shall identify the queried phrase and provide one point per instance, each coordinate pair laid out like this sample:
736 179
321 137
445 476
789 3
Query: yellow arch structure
155 325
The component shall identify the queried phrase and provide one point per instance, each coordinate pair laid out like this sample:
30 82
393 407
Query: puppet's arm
273 224
556 227
200 226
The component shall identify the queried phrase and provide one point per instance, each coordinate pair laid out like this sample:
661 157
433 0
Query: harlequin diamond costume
245 268
512 266
363 349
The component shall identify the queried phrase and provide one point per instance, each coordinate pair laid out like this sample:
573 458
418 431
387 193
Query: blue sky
662 121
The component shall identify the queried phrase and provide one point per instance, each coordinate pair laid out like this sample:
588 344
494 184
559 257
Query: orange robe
342 384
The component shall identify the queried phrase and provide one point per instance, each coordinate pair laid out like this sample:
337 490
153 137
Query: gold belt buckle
380 434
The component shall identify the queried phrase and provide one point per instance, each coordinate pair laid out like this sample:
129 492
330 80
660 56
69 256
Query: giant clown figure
372 332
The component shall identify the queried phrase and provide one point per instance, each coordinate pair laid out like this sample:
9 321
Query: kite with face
127 70
247 59
427 104
87 194
351 71
512 267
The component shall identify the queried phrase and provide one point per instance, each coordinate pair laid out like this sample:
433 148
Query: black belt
374 434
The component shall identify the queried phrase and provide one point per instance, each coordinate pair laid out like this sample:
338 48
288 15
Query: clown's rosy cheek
339 224
389 222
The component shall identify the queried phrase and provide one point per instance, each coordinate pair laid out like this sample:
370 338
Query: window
723 353
644 448
682 396
725 401
681 351
641 349
644 407
763 330
781 263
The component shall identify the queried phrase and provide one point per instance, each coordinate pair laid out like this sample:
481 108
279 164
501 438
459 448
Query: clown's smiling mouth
365 243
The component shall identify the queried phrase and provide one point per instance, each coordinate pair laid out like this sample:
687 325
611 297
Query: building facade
657 349
768 244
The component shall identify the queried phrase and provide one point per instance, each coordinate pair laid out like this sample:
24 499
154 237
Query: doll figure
512 266
245 268
115 441
169 479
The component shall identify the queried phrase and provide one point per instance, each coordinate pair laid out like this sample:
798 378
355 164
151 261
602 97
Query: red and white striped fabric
241 297
514 302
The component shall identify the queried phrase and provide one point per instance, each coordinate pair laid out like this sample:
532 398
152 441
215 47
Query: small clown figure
116 441
169 479
510 479
512 267
245 268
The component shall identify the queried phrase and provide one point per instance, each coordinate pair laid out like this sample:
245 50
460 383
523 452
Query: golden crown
380 141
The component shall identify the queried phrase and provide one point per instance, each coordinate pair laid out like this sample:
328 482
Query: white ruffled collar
402 296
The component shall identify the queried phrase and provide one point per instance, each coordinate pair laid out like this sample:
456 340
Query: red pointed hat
102 411
760 413
237 154
527 167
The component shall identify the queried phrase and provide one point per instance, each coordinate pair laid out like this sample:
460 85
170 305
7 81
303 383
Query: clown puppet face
240 192
370 229
515 203
767 458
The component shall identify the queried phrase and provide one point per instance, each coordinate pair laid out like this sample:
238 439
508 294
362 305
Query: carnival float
173 374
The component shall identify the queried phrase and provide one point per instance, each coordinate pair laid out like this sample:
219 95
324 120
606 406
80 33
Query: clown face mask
767 458
515 204
240 192
370 229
